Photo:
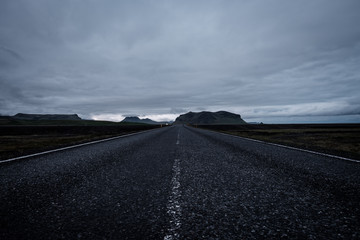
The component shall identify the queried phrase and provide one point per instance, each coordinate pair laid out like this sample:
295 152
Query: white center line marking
178 138
173 206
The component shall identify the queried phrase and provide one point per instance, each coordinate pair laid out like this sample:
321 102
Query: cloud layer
108 59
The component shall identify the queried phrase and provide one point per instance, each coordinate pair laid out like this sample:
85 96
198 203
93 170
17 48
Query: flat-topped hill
24 116
211 118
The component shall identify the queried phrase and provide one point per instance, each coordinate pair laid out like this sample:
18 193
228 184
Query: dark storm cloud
162 58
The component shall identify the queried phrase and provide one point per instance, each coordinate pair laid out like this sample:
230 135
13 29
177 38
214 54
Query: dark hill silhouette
138 120
210 118
24 116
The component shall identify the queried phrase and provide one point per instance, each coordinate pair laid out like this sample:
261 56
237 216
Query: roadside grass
6 121
340 141
12 146
18 141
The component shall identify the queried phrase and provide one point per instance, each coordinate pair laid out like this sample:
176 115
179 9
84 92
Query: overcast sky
270 61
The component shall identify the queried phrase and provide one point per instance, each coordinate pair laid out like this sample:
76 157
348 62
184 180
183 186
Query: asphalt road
180 183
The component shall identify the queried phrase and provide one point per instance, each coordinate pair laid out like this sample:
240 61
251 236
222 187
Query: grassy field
338 139
22 140
9 121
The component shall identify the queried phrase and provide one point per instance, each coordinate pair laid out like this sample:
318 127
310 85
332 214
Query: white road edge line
293 148
173 206
73 146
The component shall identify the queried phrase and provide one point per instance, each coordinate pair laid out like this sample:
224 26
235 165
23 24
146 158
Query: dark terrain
144 121
338 139
180 183
21 140
211 118
24 134
26 116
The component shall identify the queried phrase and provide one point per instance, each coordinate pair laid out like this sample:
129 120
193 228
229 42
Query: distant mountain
216 118
23 116
138 120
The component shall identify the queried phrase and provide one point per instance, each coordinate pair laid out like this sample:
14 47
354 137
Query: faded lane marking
178 138
178 141
173 206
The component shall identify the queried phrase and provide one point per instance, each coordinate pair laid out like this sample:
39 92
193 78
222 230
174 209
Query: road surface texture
180 183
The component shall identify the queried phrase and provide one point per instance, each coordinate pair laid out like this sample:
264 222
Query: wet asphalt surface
180 183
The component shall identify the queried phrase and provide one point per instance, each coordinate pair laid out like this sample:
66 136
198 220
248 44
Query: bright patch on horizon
120 117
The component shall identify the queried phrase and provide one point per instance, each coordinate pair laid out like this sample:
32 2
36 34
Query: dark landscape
28 135
338 139
210 118
180 120
180 182
144 121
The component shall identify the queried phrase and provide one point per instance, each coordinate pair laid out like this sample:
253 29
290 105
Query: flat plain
19 140
337 139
